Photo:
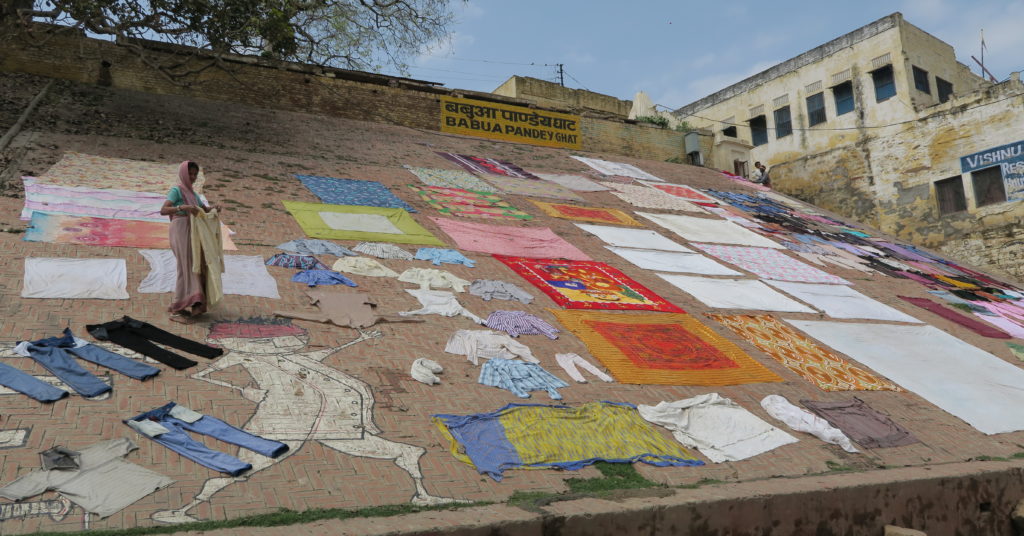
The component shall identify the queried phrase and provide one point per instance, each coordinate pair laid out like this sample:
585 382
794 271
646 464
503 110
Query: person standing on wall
760 175
182 203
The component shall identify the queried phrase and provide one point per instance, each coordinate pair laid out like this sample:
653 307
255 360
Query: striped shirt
520 378
303 262
383 251
517 323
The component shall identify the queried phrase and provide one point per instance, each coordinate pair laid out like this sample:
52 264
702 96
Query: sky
678 51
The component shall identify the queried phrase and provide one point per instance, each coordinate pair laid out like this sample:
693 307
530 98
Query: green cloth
1017 350
308 216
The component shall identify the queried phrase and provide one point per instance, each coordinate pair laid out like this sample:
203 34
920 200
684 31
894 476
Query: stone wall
299 88
550 94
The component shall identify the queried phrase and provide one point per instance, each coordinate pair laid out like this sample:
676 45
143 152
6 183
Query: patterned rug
488 166
350 222
647 197
663 349
352 192
770 264
540 436
539 242
587 285
532 188
91 171
451 178
469 204
591 214
801 355
89 231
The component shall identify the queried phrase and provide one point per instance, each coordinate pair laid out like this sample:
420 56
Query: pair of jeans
139 336
29 385
54 354
177 439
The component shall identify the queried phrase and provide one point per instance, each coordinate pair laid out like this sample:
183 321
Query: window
729 131
843 94
944 88
759 130
783 123
950 193
921 80
816 109
988 186
885 84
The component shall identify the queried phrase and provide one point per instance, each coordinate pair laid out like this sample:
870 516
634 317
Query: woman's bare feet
181 318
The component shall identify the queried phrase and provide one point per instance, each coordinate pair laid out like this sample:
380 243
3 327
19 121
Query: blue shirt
322 277
438 256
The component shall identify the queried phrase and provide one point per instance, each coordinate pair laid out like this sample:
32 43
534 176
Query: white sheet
244 275
635 238
672 261
709 230
735 294
573 182
617 168
370 223
840 301
966 381
103 279
802 420
717 427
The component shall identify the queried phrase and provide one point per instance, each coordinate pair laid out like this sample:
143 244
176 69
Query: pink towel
533 242
980 328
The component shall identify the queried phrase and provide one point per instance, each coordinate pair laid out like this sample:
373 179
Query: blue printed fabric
520 377
302 262
322 277
352 192
313 246
439 255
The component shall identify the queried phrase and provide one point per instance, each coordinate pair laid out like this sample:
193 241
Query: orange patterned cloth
801 355
592 214
663 349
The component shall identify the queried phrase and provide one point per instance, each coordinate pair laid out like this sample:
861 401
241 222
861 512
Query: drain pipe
16 128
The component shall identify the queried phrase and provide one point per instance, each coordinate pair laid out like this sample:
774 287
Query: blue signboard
1010 160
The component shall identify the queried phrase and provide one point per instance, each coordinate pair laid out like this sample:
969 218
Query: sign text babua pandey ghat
511 123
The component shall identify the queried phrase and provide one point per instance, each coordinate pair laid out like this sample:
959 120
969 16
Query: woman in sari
182 203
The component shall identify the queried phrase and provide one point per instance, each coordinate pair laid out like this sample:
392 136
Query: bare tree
354 34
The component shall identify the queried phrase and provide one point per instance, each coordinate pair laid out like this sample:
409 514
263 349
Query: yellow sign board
510 123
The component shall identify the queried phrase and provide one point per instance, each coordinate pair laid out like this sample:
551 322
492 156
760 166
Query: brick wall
300 88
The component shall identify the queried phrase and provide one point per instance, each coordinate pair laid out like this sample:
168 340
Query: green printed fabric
350 222
451 178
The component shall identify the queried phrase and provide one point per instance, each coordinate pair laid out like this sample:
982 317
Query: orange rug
591 214
802 355
663 349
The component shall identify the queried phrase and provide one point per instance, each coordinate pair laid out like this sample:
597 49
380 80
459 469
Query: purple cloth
862 424
980 328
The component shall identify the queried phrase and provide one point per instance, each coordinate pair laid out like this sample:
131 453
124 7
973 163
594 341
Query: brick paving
247 155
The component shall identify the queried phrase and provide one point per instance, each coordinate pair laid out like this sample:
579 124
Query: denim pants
177 439
29 385
54 353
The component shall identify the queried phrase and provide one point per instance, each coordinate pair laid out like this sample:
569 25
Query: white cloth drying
802 420
439 302
487 344
569 362
425 370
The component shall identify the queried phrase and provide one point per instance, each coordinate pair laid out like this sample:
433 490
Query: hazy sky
679 51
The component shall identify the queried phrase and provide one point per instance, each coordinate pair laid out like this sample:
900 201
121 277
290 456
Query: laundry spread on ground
94 202
591 214
645 197
103 279
539 242
802 420
90 231
735 294
632 238
352 192
312 246
520 377
981 328
770 264
570 438
382 251
450 178
966 381
586 284
616 168
532 187
439 256
710 230
244 275
862 423
468 204
839 301
428 278
663 349
672 261
573 182
686 192
349 222
363 266
487 166
815 364
92 171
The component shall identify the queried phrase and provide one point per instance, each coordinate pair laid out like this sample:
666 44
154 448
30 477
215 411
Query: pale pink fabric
188 287
535 242
185 185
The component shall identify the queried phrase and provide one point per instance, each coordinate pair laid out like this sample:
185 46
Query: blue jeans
94 354
27 384
178 440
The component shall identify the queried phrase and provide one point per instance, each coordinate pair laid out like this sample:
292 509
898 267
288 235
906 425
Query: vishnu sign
510 123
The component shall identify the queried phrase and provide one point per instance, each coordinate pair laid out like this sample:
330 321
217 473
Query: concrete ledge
963 498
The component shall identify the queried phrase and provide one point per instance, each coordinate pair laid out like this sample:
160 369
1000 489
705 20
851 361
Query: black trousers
139 336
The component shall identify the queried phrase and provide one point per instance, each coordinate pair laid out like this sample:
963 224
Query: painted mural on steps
299 399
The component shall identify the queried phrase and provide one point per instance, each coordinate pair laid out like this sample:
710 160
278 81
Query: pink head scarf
187 193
